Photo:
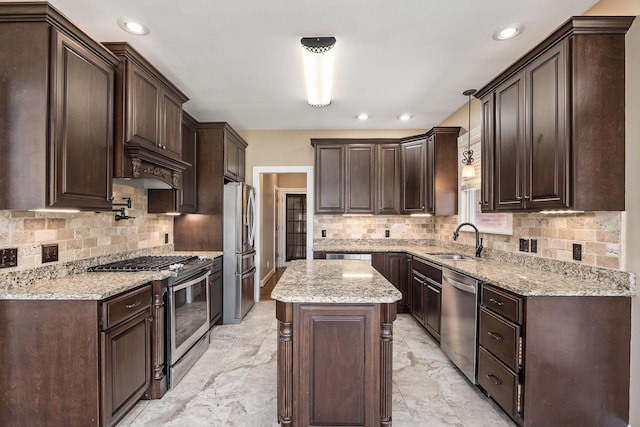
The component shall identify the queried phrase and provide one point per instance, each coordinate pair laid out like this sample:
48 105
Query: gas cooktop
144 263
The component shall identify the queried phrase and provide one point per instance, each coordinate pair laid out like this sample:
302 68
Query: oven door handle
195 280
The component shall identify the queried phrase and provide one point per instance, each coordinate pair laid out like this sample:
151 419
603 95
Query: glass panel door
296 223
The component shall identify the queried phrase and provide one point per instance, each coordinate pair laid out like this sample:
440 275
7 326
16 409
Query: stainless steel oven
187 322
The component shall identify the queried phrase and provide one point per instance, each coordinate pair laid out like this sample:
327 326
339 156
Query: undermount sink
455 257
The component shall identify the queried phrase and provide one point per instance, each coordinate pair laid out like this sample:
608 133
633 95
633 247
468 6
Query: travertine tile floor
234 383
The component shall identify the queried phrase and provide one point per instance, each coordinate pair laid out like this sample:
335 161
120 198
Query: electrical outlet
386 233
577 252
49 253
524 245
166 238
8 257
534 246
324 233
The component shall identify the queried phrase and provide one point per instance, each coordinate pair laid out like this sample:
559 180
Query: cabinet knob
519 198
526 197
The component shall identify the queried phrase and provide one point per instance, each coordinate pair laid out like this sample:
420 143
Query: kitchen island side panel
335 363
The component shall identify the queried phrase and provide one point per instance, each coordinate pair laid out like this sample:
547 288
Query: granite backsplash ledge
617 278
22 278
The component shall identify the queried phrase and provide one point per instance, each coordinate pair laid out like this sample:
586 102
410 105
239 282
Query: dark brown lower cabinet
426 289
417 299
126 364
394 266
556 360
79 362
337 370
215 292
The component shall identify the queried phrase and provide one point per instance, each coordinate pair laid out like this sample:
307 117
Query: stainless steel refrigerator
238 250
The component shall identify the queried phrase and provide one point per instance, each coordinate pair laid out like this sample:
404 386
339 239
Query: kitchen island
335 324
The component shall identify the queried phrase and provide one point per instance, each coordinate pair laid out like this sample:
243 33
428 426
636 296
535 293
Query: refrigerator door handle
251 217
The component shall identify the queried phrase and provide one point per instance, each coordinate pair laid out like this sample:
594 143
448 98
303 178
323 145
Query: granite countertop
88 285
520 279
333 281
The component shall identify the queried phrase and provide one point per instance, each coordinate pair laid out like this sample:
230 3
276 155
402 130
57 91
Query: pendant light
468 171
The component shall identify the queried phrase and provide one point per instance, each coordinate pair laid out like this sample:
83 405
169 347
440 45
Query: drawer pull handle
496 302
494 379
132 305
494 336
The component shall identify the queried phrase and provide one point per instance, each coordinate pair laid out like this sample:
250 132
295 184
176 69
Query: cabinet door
82 165
388 179
144 126
413 159
241 163
379 262
509 144
432 308
417 300
546 166
429 187
215 297
126 366
171 116
360 178
329 178
487 152
397 275
230 158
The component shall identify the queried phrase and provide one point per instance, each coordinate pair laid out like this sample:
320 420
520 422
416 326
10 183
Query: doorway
265 244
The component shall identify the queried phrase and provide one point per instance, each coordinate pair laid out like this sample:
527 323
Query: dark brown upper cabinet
429 178
234 154
148 115
56 114
357 176
183 200
553 123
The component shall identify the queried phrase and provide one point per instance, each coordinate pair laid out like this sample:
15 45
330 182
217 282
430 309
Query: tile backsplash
599 233
85 234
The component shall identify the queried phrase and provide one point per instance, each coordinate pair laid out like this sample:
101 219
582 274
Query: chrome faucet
478 238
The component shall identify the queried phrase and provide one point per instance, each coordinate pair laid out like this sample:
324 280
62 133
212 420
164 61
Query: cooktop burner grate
143 263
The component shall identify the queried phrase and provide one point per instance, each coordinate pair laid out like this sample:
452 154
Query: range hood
144 168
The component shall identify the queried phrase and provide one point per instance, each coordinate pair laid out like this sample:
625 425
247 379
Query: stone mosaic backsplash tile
599 233
83 235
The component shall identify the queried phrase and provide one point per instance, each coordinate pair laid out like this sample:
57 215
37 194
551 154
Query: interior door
296 226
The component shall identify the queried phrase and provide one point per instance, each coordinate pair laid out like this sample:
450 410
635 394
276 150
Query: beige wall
267 224
461 117
292 180
85 234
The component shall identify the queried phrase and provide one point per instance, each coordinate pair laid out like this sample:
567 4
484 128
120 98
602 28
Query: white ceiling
240 60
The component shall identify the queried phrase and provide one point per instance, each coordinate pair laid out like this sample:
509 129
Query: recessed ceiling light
404 117
363 116
508 32
133 26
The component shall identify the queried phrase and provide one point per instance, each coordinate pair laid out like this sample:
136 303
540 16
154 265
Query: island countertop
334 282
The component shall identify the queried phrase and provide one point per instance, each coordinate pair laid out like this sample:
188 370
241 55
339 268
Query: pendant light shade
318 54
468 171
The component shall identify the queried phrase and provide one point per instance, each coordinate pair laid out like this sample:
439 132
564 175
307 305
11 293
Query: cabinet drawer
427 269
509 306
123 306
500 337
217 264
498 381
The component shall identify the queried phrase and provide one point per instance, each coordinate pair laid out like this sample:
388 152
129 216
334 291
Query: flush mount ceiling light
363 116
508 32
404 117
133 26
468 171
318 54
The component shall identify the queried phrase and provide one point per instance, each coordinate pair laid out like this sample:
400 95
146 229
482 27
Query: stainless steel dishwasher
360 257
459 321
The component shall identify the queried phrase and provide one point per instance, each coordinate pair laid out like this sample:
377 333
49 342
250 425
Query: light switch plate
577 252
524 245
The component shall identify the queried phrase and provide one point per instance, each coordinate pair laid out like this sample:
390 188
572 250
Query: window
470 195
